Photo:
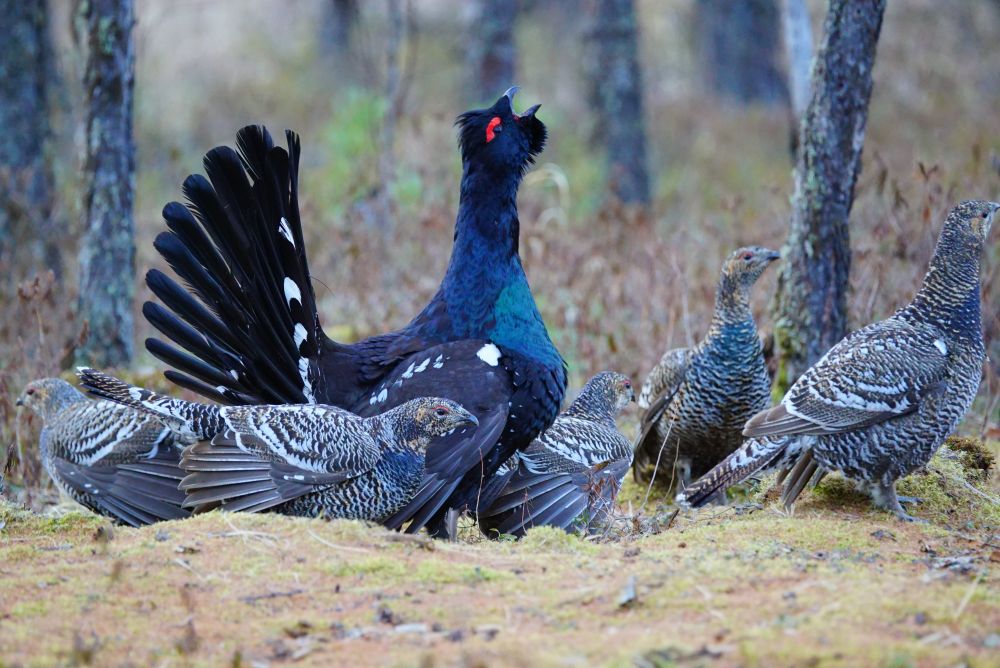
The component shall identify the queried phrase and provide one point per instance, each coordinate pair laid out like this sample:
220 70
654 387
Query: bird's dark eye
492 128
442 411
30 391
748 256
627 385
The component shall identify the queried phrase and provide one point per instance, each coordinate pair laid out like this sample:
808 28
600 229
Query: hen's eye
441 411
748 256
30 391
492 128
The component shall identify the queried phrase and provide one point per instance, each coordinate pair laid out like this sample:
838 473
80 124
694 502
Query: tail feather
803 471
753 456
248 310
190 420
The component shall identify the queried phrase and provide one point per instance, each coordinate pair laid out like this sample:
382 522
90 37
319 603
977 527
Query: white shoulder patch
940 345
489 354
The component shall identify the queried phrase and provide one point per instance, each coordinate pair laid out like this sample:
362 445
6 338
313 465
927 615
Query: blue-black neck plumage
949 296
485 293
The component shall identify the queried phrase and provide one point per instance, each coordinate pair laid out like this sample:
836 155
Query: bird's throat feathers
949 295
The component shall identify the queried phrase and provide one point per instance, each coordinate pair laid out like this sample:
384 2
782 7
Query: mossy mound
977 458
949 488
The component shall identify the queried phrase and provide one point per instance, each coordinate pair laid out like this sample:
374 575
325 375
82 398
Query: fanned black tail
245 329
753 456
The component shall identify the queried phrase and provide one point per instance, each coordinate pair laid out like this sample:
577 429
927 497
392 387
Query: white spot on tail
489 354
383 395
438 363
300 335
286 231
940 345
292 291
423 365
409 370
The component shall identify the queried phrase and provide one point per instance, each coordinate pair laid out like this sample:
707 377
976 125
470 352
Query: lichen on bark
107 251
810 306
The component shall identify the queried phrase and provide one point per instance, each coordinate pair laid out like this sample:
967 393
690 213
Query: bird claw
913 500
903 516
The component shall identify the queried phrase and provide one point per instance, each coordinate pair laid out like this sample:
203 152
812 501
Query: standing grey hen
698 399
880 402
114 460
570 474
309 460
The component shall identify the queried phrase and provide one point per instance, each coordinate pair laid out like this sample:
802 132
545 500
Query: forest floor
834 583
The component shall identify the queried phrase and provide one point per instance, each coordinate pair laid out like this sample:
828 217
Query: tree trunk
107 252
797 33
338 22
738 43
26 181
811 302
611 62
491 58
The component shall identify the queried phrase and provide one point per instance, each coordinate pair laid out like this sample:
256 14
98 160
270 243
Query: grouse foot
884 496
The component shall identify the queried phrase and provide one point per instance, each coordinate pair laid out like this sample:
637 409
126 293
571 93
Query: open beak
527 113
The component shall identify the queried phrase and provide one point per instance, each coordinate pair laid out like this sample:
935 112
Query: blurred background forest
624 221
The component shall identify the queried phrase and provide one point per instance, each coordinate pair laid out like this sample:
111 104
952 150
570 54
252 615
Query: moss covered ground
833 583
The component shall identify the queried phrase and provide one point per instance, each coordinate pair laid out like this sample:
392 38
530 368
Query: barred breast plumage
570 475
698 399
311 460
880 403
117 461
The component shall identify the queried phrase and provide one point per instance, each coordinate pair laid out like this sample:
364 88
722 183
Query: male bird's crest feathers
245 330
509 140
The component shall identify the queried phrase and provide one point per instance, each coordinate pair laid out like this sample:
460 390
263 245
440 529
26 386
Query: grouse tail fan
253 333
756 454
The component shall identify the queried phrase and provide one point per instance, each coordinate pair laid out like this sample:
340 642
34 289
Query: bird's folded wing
468 372
137 493
245 328
882 371
647 444
665 377
559 499
314 438
103 430
572 444
271 454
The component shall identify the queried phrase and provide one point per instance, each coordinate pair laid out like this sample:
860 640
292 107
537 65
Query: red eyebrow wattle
490 134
